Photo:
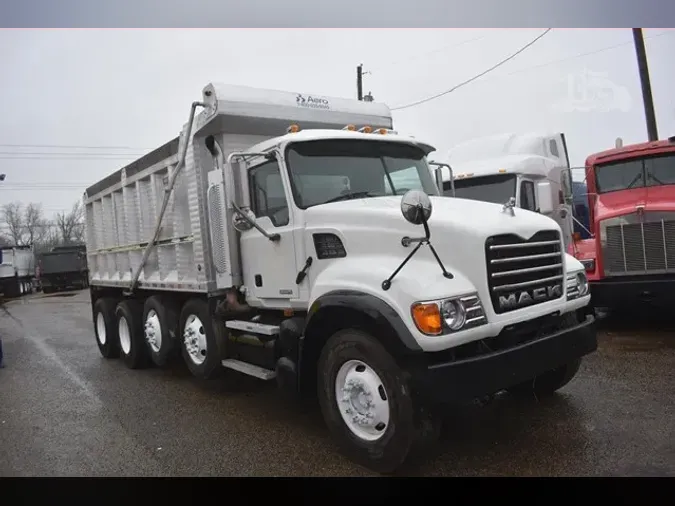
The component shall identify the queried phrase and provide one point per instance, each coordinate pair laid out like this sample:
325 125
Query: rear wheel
130 330
160 325
105 327
367 403
198 341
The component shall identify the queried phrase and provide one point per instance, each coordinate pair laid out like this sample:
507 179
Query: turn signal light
427 317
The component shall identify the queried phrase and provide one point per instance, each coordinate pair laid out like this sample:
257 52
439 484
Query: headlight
577 285
453 314
438 317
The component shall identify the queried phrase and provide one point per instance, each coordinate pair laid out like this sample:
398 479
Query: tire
198 340
159 327
547 383
105 327
355 355
133 349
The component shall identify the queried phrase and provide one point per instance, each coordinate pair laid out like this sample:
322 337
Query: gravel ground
65 411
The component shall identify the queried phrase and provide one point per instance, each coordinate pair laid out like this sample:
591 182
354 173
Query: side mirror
566 184
416 207
438 176
544 197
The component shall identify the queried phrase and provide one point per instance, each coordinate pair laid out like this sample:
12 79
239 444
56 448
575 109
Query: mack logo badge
527 297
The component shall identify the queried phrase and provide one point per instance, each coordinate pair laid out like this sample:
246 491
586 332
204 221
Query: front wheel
366 401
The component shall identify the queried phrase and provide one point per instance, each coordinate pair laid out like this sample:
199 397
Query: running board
249 369
256 328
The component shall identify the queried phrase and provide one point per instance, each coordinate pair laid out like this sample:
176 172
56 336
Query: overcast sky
133 88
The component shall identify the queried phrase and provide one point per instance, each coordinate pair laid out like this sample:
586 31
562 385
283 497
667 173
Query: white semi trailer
17 270
324 259
531 168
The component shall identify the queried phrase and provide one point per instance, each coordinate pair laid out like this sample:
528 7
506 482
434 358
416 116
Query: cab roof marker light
293 129
350 128
502 171
366 130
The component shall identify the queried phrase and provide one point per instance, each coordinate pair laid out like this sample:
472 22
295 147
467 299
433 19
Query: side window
527 196
267 193
553 147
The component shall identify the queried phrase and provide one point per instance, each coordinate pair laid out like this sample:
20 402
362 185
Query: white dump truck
531 168
297 238
17 270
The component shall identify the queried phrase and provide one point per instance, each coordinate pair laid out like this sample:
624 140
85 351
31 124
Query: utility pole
359 82
647 99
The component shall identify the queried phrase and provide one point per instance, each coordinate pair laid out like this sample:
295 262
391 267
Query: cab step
253 327
249 369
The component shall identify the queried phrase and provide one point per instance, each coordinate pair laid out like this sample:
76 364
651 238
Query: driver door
269 267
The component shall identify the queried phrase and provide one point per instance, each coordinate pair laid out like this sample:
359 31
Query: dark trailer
63 267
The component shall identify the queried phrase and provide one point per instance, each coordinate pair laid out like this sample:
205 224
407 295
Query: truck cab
631 202
526 167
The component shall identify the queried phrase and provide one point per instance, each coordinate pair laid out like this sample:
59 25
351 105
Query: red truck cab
631 202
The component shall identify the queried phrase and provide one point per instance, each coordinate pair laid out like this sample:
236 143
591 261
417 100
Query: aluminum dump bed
122 209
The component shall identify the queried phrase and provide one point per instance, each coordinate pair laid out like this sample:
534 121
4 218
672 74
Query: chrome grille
524 272
637 244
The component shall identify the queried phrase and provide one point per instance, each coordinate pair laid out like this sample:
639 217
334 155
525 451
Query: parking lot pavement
66 411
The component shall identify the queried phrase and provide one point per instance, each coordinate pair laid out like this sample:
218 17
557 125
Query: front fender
419 280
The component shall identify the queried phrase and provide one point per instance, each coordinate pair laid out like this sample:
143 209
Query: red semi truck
631 202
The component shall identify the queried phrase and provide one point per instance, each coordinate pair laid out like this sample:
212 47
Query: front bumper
618 292
488 373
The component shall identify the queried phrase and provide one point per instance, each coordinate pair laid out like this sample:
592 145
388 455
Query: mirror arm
271 237
407 241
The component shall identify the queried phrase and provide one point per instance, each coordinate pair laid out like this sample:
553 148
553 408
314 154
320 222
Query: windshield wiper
655 179
635 180
352 195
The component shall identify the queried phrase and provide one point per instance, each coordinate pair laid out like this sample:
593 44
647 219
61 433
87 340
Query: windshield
636 173
497 189
330 170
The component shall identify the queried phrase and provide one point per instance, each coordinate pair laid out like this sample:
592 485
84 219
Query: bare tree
51 238
13 217
35 225
71 224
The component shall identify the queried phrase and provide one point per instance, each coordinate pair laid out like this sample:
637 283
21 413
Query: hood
655 198
454 215
372 229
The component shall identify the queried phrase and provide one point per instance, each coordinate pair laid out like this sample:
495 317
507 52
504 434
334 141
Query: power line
502 62
71 158
580 55
66 146
48 153
433 51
